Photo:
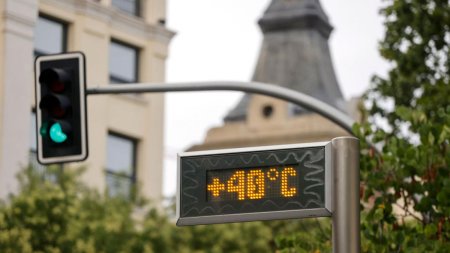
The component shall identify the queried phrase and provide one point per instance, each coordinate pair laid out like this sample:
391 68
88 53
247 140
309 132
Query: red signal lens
57 86
58 111
55 79
56 105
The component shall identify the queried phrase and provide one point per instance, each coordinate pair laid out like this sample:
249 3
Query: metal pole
346 226
271 90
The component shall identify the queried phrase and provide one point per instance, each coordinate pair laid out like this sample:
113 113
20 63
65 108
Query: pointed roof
295 14
295 54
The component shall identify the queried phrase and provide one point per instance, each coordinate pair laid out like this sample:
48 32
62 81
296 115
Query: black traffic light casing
61 118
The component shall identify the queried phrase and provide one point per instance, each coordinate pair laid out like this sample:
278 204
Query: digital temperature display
261 183
252 183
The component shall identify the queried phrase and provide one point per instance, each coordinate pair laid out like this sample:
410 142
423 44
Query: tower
294 54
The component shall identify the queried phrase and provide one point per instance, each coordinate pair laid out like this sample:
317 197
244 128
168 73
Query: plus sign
216 187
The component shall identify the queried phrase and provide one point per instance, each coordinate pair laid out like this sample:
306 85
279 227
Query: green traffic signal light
57 134
61 120
44 129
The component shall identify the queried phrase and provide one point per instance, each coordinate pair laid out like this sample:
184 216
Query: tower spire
295 14
295 54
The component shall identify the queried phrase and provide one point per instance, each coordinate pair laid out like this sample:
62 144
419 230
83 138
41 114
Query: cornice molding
19 18
116 19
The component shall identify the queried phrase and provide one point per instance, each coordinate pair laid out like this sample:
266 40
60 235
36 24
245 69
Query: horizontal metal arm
271 90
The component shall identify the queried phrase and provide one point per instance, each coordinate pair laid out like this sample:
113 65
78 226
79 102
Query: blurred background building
294 54
124 41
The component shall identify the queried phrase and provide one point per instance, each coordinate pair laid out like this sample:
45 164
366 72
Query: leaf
430 138
430 230
444 135
378 215
403 112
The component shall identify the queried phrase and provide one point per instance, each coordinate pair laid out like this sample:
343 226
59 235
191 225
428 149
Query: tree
407 183
58 214
55 213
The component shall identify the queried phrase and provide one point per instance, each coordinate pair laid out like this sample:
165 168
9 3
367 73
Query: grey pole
271 90
345 216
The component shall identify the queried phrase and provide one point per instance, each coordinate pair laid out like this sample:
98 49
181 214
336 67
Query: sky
219 40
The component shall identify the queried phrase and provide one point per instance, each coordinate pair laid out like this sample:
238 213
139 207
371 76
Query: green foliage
302 236
407 183
60 215
56 213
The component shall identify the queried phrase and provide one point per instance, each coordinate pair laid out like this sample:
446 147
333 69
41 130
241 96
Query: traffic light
61 126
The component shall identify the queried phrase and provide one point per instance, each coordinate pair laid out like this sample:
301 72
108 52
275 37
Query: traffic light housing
61 126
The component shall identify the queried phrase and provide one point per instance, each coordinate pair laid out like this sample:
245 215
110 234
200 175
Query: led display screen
252 183
243 184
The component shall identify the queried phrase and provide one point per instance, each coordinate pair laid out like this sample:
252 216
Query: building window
123 63
120 165
129 6
50 36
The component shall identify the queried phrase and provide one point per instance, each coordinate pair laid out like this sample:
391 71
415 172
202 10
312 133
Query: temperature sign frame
259 183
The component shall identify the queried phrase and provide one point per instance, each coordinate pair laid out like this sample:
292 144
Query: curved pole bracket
295 97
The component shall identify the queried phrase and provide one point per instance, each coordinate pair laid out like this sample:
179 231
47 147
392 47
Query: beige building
294 54
124 41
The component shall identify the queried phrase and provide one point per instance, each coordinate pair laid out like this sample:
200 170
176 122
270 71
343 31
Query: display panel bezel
256 215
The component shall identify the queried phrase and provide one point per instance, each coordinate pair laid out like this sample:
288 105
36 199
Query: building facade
295 55
124 41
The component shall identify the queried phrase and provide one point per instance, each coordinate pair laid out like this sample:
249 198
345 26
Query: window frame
137 9
133 176
65 27
117 80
